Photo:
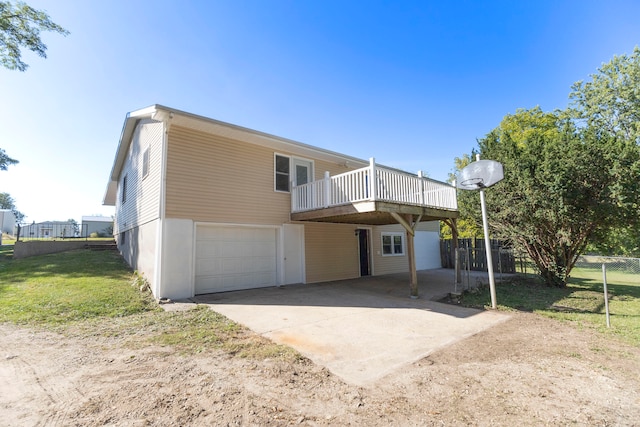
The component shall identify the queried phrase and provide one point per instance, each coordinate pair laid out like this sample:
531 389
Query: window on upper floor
145 163
123 195
282 172
392 244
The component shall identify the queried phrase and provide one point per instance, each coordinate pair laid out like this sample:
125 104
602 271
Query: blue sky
413 84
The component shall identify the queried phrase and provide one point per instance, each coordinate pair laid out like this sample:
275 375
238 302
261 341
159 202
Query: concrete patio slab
361 329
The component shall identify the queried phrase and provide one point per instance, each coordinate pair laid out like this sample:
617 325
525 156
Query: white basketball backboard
480 174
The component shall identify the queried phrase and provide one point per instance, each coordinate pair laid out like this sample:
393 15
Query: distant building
7 221
103 225
49 230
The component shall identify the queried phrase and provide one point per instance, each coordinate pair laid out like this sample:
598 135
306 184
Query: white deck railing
388 186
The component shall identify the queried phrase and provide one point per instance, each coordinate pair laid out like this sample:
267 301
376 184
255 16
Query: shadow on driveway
360 329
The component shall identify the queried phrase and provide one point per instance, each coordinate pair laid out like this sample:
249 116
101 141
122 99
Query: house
204 206
102 225
7 221
49 230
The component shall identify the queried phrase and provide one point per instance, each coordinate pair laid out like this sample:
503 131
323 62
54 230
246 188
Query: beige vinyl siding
216 179
389 264
395 264
331 252
213 179
142 203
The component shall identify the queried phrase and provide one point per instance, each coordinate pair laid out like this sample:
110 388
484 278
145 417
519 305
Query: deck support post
409 225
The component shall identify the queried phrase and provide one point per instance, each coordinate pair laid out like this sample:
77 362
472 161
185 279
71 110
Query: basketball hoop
480 174
472 184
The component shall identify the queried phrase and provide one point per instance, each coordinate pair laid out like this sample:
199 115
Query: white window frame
301 161
123 196
146 157
292 170
275 173
393 246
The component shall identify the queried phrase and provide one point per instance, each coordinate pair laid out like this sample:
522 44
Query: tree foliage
5 160
74 224
610 102
564 187
621 241
20 27
7 202
467 227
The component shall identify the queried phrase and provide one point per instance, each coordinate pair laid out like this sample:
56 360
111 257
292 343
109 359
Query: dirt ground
528 371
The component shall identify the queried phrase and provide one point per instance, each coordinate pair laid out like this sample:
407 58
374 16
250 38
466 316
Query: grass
66 287
581 302
7 240
94 294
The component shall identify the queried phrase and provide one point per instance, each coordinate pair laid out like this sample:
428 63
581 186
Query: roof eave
128 128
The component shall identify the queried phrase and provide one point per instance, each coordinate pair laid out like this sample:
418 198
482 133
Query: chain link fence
612 263
52 230
621 270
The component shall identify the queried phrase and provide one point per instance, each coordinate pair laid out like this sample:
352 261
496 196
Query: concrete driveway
361 329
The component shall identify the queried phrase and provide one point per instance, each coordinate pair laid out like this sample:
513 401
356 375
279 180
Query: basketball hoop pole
487 247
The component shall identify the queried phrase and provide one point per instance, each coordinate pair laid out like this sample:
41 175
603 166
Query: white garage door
234 258
427 246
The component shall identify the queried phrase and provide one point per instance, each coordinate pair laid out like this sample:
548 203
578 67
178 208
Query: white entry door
302 171
293 253
230 258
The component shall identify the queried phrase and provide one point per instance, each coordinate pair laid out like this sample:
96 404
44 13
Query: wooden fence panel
476 256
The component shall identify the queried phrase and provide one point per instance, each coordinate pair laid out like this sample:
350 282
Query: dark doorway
363 238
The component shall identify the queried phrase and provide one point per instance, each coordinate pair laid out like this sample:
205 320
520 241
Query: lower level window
392 244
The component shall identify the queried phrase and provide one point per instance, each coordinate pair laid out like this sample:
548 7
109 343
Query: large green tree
564 186
20 27
610 101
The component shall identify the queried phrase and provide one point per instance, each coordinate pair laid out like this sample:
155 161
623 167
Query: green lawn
94 293
581 302
68 286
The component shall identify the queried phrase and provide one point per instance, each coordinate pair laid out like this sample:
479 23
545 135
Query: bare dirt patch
528 370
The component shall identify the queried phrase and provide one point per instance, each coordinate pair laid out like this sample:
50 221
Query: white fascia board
128 127
217 127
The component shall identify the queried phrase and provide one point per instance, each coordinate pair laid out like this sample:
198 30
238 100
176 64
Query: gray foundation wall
27 249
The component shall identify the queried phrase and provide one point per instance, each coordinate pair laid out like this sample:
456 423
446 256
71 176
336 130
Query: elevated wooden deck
356 197
376 195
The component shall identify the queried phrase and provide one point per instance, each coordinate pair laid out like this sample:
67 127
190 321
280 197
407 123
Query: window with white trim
145 163
392 244
123 195
282 172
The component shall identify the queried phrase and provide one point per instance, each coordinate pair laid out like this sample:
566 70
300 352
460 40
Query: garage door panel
260 264
263 249
231 265
234 258
207 266
207 250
